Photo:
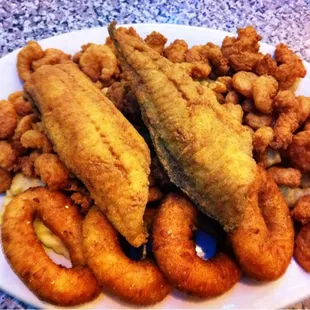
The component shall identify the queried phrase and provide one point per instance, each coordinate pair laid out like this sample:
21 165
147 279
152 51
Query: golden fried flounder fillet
205 151
96 143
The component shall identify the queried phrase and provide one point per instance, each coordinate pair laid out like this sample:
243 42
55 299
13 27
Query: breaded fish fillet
96 143
205 151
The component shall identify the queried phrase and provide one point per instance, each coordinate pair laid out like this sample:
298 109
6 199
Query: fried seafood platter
155 166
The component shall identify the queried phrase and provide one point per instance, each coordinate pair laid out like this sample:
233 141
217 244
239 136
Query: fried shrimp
264 241
139 282
176 256
8 119
302 248
24 252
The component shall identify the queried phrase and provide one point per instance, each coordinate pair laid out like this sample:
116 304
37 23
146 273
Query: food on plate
137 282
223 123
174 250
110 151
25 254
302 247
205 151
301 211
264 241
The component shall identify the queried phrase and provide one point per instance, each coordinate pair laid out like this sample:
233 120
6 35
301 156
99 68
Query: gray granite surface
276 20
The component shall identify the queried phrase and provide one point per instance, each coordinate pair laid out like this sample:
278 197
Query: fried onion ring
139 282
264 240
176 256
24 252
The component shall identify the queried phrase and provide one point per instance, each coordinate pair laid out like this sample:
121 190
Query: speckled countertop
276 20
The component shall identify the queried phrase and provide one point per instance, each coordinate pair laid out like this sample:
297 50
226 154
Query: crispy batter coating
137 282
24 124
264 241
96 143
262 138
5 180
7 156
285 176
36 140
25 253
234 110
176 256
8 119
266 66
265 89
31 52
99 62
217 87
82 200
176 51
302 248
25 164
303 108
52 56
290 66
52 171
22 107
301 211
287 105
232 97
257 120
227 80
187 123
299 151
156 41
243 83
242 52
248 105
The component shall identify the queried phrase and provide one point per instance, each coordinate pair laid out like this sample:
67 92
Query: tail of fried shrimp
264 240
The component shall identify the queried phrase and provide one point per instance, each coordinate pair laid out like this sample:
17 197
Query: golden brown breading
96 143
52 56
265 89
52 171
299 151
36 140
242 52
7 156
285 176
257 120
227 80
8 119
31 52
301 211
243 83
82 200
302 248
176 51
234 110
27 257
24 124
287 105
232 97
5 180
262 138
303 108
25 164
156 41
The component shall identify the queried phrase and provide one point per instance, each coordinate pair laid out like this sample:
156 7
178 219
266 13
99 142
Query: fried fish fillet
205 151
96 143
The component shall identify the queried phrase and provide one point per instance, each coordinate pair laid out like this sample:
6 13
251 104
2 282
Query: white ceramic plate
292 287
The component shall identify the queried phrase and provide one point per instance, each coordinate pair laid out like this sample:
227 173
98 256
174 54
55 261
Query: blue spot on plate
205 244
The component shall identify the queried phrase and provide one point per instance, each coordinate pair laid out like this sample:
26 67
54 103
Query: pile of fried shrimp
257 89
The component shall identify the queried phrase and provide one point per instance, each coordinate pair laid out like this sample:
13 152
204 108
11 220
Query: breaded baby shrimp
264 241
176 51
175 254
265 89
25 164
52 56
7 156
263 136
36 140
302 248
5 180
21 106
8 119
256 120
24 124
232 97
299 151
31 52
137 282
24 252
303 108
156 41
52 171
98 62
285 176
243 83
301 211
